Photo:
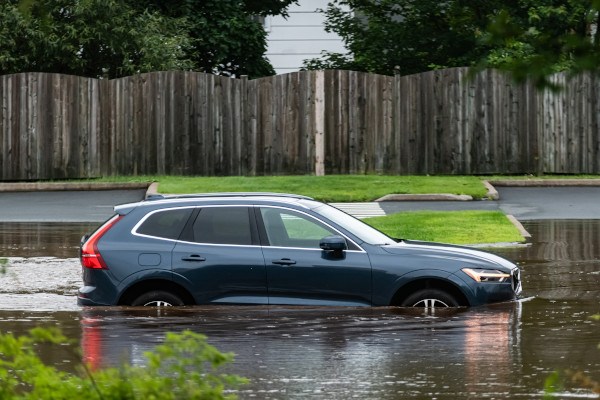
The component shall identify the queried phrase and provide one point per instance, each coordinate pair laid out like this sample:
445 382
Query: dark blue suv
269 248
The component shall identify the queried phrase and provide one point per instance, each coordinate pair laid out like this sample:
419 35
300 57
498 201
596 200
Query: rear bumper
82 301
84 298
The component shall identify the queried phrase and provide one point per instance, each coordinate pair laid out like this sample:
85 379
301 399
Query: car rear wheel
430 298
158 298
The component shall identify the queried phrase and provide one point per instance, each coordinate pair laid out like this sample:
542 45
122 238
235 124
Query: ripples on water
500 351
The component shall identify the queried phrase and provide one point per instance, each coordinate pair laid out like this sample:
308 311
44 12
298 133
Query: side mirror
333 243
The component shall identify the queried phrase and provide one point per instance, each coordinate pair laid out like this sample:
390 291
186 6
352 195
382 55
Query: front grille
515 278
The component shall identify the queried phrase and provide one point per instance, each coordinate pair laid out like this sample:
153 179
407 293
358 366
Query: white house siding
299 37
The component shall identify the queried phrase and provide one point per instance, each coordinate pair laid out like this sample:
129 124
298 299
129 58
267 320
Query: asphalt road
64 206
525 203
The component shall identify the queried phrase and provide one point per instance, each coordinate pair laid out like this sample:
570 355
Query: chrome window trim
312 249
318 219
219 244
141 221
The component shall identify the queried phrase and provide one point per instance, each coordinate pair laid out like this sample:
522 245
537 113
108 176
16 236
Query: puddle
501 351
24 239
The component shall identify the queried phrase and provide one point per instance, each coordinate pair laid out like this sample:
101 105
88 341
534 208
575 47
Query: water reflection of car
266 248
289 351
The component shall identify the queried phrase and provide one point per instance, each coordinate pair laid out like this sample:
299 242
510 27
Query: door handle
193 257
284 261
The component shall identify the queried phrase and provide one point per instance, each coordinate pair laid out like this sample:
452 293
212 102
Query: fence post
245 148
320 123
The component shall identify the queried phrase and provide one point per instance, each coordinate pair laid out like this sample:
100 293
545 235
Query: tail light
90 256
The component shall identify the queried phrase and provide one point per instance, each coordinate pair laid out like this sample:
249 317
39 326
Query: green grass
456 227
330 188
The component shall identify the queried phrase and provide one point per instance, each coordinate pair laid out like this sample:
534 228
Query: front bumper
515 280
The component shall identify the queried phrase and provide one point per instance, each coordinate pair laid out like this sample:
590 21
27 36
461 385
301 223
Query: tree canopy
415 35
229 37
114 38
89 38
545 37
530 38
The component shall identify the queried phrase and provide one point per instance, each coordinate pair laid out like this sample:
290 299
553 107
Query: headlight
486 275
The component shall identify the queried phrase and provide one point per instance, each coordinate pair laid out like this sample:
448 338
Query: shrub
174 370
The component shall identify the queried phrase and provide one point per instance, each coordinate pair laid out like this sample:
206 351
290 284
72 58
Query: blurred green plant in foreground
554 383
174 370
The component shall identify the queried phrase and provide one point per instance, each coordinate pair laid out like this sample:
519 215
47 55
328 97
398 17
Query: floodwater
501 351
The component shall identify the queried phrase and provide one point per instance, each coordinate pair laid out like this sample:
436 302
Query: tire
430 298
158 298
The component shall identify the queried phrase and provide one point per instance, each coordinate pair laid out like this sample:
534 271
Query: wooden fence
56 126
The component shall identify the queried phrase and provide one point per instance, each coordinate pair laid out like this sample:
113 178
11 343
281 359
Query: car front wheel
158 298
430 298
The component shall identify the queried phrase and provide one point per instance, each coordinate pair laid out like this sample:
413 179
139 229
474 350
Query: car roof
164 201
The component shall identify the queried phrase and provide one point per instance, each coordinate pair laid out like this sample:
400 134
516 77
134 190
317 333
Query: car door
219 257
300 272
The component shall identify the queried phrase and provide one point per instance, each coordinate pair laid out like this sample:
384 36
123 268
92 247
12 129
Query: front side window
223 225
166 224
364 232
286 228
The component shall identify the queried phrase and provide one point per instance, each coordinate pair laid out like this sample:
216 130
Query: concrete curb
152 189
69 186
426 197
492 193
518 225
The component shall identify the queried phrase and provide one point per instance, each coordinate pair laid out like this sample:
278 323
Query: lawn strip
456 227
329 188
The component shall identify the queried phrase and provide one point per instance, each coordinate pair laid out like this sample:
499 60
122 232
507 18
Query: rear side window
223 225
166 224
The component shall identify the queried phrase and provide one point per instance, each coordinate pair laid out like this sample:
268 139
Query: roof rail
153 197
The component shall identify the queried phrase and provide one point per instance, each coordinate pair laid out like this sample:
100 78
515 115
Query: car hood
449 251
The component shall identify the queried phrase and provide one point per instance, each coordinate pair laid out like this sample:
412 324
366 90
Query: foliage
552 385
539 38
92 38
584 381
175 370
229 38
456 227
554 382
530 38
112 38
415 35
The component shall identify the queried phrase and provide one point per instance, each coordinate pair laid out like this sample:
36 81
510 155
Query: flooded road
502 351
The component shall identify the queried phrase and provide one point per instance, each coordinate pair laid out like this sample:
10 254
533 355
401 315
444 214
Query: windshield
364 232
